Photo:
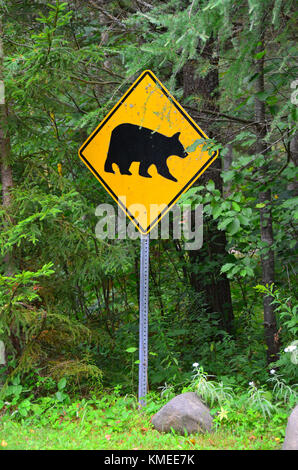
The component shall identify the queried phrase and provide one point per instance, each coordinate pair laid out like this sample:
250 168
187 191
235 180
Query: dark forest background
68 300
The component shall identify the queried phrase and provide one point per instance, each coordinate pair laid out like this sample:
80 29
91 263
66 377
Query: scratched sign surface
147 152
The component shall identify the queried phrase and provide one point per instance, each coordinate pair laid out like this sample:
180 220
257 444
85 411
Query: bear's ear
176 136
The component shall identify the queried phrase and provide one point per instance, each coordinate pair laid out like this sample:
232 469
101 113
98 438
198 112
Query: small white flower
272 372
195 364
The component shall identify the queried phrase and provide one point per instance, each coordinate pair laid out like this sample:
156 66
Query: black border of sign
185 115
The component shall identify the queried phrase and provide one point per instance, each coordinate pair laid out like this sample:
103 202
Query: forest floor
17 437
112 426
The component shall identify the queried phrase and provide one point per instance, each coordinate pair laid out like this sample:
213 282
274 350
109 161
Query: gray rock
183 413
291 439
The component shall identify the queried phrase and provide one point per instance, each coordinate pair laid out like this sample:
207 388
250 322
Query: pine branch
215 113
107 14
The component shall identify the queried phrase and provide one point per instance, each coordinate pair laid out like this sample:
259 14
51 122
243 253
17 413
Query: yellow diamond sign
147 152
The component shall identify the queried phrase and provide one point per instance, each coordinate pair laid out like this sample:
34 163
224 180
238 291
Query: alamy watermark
294 94
180 222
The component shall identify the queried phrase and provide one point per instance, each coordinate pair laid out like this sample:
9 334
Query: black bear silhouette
130 143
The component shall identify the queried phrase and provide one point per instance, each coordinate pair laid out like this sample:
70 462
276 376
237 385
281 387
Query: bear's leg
143 170
164 171
124 169
108 166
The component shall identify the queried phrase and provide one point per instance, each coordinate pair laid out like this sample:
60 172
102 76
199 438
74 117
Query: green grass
17 437
110 424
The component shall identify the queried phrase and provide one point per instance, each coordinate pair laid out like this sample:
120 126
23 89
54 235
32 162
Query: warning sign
147 152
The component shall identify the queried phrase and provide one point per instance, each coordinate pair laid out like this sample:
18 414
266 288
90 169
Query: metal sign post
143 335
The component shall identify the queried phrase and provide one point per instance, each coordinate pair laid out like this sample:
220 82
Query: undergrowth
248 418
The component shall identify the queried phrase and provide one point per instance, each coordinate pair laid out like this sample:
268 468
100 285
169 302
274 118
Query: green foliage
20 324
258 400
287 312
208 390
28 331
110 421
287 318
283 392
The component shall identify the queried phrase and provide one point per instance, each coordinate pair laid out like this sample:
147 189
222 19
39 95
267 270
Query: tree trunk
267 259
5 168
293 186
215 285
